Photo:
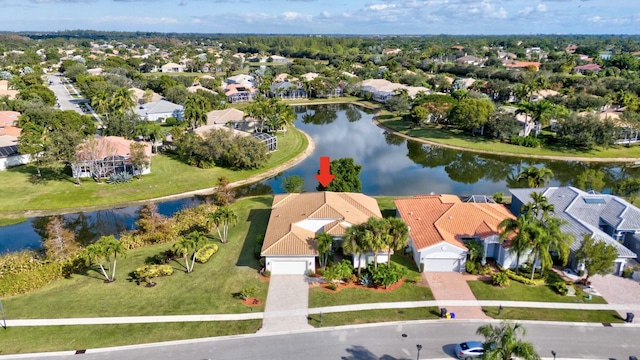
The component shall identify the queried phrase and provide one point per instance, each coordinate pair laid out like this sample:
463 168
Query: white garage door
289 267
442 265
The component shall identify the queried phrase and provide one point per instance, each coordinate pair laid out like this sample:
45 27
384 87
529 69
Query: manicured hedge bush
500 279
523 279
206 252
36 276
560 287
147 272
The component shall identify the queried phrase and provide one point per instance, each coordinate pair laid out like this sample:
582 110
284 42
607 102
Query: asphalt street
64 99
384 342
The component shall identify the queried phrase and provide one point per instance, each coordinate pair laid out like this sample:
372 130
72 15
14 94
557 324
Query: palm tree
188 244
503 342
520 232
379 229
324 246
195 110
101 103
540 206
527 108
553 239
123 100
541 112
534 176
222 217
398 236
106 248
356 241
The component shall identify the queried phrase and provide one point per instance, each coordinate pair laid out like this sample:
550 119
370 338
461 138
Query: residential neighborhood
265 184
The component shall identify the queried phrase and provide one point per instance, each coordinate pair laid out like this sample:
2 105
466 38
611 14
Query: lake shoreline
311 145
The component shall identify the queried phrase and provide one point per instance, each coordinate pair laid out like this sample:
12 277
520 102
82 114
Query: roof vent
410 212
450 217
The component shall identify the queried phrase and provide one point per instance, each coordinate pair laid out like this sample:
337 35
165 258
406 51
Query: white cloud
541 8
294 16
139 20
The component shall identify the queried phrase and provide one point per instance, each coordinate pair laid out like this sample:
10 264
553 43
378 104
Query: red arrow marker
325 176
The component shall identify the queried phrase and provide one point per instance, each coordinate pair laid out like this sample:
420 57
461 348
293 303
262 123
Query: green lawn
17 340
520 292
409 291
169 176
374 316
456 137
209 289
599 316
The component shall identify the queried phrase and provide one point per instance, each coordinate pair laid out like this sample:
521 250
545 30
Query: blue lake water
391 166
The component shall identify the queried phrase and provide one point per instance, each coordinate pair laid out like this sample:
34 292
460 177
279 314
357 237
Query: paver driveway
453 286
287 304
617 290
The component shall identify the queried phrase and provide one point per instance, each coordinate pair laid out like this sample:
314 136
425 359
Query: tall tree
293 184
379 229
324 242
347 176
519 233
139 157
123 101
503 342
222 218
107 249
356 241
187 246
550 237
471 113
597 256
60 242
398 236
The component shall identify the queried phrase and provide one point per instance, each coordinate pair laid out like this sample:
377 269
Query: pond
391 166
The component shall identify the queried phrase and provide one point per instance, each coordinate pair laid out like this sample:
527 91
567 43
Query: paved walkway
329 309
453 286
287 304
617 290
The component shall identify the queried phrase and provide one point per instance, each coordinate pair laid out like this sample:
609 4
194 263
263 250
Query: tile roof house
172 67
159 110
522 64
112 154
237 93
439 225
289 246
607 218
594 68
382 89
469 60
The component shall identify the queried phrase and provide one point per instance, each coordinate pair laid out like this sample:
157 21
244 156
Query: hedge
523 279
37 276
206 252
152 271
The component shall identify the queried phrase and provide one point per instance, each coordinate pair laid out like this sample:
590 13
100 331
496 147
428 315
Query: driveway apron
287 304
617 290
453 286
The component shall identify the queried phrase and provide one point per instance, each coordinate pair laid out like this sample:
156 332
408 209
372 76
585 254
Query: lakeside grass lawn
374 316
209 289
169 176
457 137
17 340
569 315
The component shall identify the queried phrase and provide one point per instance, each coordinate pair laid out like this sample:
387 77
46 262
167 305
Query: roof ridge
353 202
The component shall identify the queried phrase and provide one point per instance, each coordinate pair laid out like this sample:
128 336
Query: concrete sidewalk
329 309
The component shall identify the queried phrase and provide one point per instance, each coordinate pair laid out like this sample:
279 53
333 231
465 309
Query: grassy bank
210 289
59 338
521 292
463 139
169 176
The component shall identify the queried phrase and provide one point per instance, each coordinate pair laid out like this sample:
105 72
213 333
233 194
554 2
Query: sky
315 17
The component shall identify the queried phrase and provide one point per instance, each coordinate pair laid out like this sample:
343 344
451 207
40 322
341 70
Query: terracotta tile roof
433 219
115 145
296 218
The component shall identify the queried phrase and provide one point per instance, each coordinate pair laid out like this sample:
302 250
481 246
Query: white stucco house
159 110
439 226
289 246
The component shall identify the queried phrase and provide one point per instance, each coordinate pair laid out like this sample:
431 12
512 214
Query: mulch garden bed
341 286
252 302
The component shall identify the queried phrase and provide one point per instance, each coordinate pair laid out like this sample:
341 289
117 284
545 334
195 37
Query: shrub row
41 274
206 252
523 279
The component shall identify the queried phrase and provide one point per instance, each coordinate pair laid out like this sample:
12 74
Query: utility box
443 313
629 318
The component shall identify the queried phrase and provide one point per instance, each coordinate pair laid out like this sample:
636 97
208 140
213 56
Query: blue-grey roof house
607 218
